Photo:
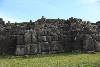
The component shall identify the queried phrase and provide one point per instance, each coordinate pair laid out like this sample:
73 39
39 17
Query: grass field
52 60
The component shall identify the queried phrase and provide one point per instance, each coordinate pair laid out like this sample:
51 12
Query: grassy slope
53 60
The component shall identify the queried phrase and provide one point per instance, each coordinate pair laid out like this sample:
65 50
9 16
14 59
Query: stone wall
47 36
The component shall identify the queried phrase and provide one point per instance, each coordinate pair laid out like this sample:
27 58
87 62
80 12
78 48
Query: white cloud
7 18
93 1
88 1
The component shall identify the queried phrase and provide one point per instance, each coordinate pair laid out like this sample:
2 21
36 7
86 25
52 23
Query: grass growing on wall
52 60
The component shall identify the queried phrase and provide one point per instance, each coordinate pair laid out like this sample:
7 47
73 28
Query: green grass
52 60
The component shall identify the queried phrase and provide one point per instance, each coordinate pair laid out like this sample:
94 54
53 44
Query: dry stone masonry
49 36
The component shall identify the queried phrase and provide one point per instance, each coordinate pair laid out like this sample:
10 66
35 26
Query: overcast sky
24 10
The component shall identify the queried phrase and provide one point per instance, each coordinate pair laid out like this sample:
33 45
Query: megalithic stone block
45 46
20 39
32 49
43 38
49 38
97 46
56 46
20 50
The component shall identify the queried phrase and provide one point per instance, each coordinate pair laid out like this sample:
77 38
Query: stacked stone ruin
49 36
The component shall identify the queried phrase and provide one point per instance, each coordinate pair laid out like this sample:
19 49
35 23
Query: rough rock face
49 36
